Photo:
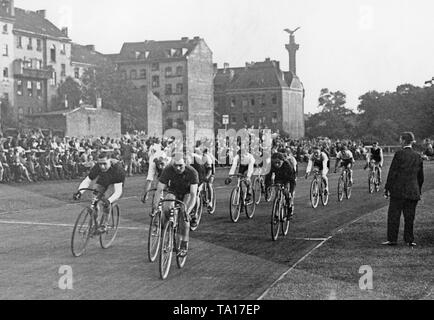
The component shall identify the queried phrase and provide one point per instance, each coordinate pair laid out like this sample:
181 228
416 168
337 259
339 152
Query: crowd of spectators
36 157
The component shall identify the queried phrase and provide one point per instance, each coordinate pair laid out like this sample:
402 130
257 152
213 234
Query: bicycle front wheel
250 207
212 198
314 194
81 232
371 182
257 189
341 186
112 223
154 236
348 188
198 211
275 218
166 251
324 194
235 204
180 261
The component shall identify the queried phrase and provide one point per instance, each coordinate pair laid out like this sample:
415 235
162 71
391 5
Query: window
19 42
30 44
27 64
245 103
245 118
39 89
143 74
39 64
19 88
169 123
29 110
77 73
252 101
233 102
63 71
133 74
5 50
54 78
157 94
274 118
38 45
5 28
179 71
274 99
169 105
180 106
168 72
155 67
123 75
53 53
5 73
180 122
168 90
20 113
155 81
179 88
30 88
252 118
233 120
63 48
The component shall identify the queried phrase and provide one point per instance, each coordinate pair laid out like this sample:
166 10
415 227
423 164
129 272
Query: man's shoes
389 243
183 249
411 244
249 199
193 223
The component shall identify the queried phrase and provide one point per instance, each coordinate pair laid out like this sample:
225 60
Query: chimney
196 38
90 47
65 31
41 13
225 67
185 39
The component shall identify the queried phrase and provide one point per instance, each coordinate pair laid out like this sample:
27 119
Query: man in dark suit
404 187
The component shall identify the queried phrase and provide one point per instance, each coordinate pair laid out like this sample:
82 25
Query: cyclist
284 173
182 182
209 163
319 160
105 173
247 164
375 154
158 161
345 159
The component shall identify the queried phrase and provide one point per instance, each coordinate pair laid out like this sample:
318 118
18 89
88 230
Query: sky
353 46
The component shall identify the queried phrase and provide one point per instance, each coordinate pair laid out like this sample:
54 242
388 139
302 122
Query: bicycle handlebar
238 175
93 190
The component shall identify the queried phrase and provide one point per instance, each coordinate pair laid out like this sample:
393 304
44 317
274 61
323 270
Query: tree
117 94
71 91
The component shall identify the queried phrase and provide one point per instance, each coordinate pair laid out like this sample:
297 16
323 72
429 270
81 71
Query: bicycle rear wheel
341 189
284 217
269 194
213 198
180 261
257 189
112 223
275 218
166 251
235 204
154 236
314 194
250 208
324 195
377 179
348 188
198 211
371 182
81 232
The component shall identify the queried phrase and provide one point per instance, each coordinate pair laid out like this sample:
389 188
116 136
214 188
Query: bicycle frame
241 179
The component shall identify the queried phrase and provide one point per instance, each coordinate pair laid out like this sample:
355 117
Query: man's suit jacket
405 177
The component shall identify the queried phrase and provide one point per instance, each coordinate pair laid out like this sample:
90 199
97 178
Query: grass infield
398 273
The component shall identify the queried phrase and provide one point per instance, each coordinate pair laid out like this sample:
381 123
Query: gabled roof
259 75
151 49
85 55
33 22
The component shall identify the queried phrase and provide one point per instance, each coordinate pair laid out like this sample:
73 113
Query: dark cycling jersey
200 168
114 175
179 184
376 154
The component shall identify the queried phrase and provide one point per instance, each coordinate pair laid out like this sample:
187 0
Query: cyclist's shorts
318 164
346 163
243 169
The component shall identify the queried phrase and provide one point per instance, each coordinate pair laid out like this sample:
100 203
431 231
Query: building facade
36 59
179 73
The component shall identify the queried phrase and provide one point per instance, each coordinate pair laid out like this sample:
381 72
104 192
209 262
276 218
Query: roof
66 112
151 49
33 22
265 74
83 54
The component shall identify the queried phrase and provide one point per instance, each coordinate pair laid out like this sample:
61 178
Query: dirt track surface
225 261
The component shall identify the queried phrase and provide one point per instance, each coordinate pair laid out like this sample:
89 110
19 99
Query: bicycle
87 225
317 190
344 185
170 239
374 177
154 233
259 190
279 215
209 197
238 200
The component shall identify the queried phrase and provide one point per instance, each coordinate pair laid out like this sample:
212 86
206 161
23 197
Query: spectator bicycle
344 185
87 225
238 199
374 177
317 190
171 238
280 216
